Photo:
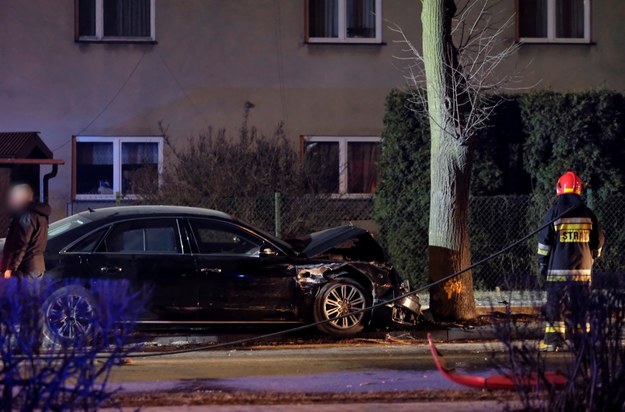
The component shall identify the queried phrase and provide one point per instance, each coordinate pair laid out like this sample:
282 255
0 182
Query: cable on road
375 306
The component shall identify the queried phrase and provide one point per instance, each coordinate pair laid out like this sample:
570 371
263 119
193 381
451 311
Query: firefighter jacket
570 244
26 241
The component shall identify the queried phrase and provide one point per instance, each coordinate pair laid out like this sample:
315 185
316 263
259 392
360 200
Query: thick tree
453 75
450 166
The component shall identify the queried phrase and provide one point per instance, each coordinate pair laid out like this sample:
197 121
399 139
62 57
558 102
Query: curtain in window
88 153
139 166
533 18
139 153
127 18
361 18
570 19
94 168
321 160
323 18
362 171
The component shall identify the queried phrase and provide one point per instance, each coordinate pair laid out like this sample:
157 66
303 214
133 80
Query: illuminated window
106 166
345 21
342 165
115 20
554 21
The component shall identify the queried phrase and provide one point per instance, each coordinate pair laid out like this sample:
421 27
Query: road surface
311 369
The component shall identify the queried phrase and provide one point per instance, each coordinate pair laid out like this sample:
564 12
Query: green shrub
581 131
402 200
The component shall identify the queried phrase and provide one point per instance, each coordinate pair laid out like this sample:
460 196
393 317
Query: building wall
212 56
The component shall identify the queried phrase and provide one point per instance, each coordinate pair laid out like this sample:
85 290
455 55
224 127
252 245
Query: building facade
96 77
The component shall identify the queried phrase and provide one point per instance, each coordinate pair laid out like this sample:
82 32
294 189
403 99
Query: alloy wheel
70 317
342 300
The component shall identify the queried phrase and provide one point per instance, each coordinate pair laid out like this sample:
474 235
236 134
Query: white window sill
103 198
538 40
84 39
351 41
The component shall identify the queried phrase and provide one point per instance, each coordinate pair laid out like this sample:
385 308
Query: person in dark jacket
566 253
27 237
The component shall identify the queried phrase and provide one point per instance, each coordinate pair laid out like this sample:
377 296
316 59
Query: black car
203 266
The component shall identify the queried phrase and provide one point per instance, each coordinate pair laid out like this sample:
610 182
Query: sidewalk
485 300
465 406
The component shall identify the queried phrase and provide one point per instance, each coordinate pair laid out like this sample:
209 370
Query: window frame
99 36
342 27
106 228
221 225
117 142
343 142
111 228
551 26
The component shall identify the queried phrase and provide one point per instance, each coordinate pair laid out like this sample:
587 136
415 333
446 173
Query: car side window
88 243
218 238
142 236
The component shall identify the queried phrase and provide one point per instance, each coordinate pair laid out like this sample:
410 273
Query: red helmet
569 183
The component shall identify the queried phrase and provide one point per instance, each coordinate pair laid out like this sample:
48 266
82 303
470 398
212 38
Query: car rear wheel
335 305
69 316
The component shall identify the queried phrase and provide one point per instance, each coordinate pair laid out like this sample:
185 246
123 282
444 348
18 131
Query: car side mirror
266 251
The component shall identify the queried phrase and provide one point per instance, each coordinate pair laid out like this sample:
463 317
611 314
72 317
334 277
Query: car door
151 254
236 283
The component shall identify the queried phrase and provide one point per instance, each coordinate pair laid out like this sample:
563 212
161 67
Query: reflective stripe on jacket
571 243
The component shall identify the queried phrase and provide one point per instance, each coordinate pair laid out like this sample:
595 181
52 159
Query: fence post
277 219
589 199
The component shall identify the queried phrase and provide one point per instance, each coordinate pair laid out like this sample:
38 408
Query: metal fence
495 222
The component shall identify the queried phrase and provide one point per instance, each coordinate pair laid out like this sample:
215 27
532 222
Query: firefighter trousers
566 311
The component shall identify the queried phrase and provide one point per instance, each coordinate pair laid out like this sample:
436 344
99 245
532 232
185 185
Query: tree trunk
450 168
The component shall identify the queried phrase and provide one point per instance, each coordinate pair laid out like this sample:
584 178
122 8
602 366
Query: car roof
124 211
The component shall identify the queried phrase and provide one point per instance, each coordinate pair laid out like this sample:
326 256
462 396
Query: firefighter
566 252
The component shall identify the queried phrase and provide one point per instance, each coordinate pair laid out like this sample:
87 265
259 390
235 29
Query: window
342 165
215 238
142 236
88 243
106 166
115 20
554 21
345 21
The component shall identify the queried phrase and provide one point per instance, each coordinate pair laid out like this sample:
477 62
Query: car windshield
61 226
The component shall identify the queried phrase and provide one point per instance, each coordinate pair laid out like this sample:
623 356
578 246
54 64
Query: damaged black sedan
205 267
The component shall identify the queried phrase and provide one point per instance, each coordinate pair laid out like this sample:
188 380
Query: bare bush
65 366
216 165
240 174
594 360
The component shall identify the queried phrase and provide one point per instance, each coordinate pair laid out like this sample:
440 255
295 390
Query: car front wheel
338 304
69 316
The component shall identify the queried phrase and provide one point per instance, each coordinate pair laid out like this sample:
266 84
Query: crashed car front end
351 252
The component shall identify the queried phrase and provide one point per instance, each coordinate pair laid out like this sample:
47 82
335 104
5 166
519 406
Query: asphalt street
309 368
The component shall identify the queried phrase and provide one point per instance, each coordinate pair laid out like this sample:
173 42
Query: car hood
318 242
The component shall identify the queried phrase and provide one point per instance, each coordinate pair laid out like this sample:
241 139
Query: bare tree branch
480 43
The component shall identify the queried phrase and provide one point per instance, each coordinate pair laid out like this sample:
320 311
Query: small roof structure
25 148
23 153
